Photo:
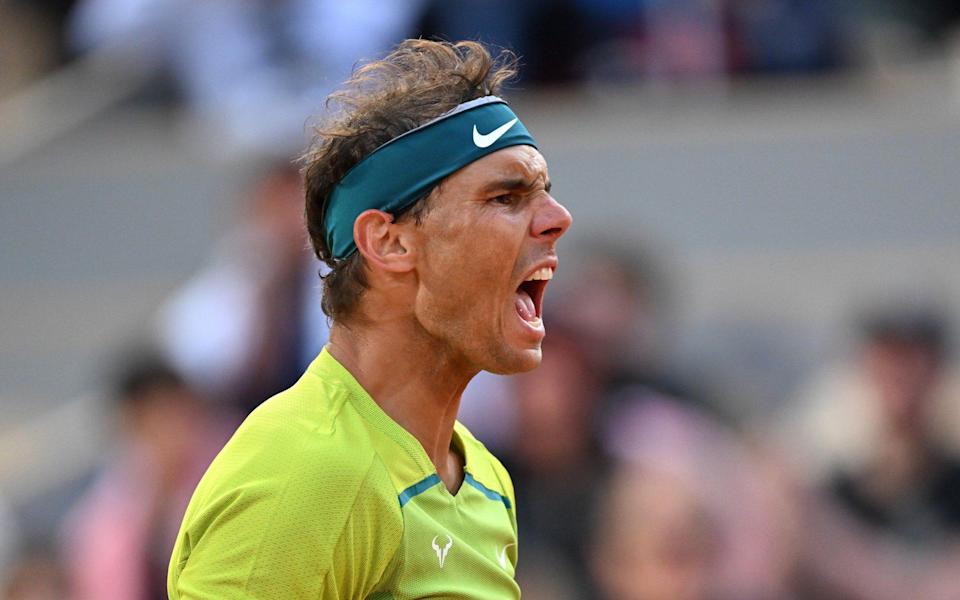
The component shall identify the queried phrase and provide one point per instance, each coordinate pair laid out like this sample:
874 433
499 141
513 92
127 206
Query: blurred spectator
697 39
787 36
896 385
906 484
616 40
714 518
654 540
549 36
118 539
867 435
683 39
251 70
611 300
246 326
500 23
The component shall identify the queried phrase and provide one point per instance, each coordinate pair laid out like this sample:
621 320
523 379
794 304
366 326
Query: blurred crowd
634 481
250 70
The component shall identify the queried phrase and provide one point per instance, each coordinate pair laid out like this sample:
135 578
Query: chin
514 361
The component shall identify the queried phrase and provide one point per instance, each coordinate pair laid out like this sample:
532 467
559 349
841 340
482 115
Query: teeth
543 274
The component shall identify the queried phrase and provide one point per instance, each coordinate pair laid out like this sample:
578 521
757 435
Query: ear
382 242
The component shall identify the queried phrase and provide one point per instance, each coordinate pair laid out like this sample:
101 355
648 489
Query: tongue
525 308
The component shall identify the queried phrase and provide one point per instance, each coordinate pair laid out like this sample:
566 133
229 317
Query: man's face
486 248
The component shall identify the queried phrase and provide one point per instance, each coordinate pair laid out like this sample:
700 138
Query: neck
413 379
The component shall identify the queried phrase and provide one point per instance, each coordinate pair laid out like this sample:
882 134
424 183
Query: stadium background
765 251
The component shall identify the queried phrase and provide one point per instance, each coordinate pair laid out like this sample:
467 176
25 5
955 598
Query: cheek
470 263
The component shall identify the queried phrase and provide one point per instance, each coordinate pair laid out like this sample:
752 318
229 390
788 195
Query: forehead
523 163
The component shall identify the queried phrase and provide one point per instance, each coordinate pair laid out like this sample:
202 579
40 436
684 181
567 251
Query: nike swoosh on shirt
484 140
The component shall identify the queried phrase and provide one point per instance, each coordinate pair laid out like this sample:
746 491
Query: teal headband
401 171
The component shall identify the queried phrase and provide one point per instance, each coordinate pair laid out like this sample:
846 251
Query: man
431 204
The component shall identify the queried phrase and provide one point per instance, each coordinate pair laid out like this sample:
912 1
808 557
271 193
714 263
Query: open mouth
529 295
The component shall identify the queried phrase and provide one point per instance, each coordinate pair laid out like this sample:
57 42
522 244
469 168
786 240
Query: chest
455 547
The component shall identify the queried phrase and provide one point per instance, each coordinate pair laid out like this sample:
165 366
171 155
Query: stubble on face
474 255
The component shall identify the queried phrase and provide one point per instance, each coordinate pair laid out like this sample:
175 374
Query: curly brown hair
417 82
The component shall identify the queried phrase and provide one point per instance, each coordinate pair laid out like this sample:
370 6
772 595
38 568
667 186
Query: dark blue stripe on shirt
486 491
418 488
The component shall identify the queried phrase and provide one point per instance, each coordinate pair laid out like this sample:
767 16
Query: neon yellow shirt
321 495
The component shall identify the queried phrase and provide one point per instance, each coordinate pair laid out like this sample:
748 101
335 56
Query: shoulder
305 436
304 444
298 488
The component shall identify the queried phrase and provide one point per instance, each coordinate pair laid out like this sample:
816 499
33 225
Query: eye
504 199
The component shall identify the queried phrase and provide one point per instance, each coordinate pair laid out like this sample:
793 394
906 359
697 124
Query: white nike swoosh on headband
484 140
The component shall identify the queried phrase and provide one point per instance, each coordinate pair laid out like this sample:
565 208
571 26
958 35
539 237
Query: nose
551 220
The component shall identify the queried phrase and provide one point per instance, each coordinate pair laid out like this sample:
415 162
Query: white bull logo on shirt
442 552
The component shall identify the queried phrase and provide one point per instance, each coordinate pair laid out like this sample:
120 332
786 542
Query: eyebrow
513 183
